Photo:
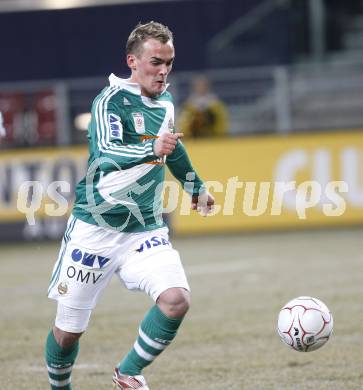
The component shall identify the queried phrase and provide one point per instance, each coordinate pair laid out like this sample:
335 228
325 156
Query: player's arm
107 133
181 168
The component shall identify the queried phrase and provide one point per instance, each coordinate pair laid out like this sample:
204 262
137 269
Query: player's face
150 67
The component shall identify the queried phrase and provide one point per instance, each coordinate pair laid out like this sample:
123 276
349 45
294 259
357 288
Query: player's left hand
203 203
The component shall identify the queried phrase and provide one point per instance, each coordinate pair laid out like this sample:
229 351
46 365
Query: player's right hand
166 144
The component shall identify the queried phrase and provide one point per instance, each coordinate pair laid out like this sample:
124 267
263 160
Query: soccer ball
305 324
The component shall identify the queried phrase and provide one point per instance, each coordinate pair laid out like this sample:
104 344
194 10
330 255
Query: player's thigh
87 260
72 320
153 266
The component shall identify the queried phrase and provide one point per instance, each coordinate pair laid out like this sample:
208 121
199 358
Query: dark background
90 41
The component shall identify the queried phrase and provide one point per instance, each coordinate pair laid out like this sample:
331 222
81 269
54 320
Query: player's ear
131 61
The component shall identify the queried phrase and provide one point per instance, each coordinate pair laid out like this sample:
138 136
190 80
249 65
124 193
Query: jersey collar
126 84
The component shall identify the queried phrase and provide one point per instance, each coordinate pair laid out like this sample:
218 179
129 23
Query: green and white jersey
123 185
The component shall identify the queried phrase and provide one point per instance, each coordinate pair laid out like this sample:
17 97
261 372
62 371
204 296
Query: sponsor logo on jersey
83 276
151 243
115 126
89 260
139 122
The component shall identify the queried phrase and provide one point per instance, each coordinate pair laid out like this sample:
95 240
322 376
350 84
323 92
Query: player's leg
85 265
174 302
158 271
157 330
62 345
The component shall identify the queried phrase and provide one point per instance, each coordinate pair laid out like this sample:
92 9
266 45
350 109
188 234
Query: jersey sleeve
108 145
181 168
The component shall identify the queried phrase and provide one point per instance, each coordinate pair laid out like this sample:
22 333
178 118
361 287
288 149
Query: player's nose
163 71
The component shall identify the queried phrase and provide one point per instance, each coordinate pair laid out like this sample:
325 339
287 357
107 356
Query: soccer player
116 225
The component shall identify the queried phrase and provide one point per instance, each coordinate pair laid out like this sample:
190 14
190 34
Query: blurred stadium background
289 73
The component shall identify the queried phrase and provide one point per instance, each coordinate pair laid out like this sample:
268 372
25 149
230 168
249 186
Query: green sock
59 363
155 333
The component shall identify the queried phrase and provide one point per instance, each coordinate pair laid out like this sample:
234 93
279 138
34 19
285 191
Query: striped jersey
123 186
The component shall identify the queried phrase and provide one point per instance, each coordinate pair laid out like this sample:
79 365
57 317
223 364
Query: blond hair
143 32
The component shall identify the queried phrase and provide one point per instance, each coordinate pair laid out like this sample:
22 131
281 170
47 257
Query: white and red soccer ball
305 324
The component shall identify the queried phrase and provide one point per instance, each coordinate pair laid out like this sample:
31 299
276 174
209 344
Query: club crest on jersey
62 288
139 122
115 126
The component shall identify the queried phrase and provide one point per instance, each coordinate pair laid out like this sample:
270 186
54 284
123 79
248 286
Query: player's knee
65 339
174 302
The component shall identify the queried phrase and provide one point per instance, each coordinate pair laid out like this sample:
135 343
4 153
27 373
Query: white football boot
125 382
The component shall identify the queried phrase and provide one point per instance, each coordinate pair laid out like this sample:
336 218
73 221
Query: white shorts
91 255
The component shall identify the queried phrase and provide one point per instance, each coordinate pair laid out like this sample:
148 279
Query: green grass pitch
228 340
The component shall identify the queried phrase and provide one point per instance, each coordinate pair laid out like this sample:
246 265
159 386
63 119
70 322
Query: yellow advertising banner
266 182
273 182
53 170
